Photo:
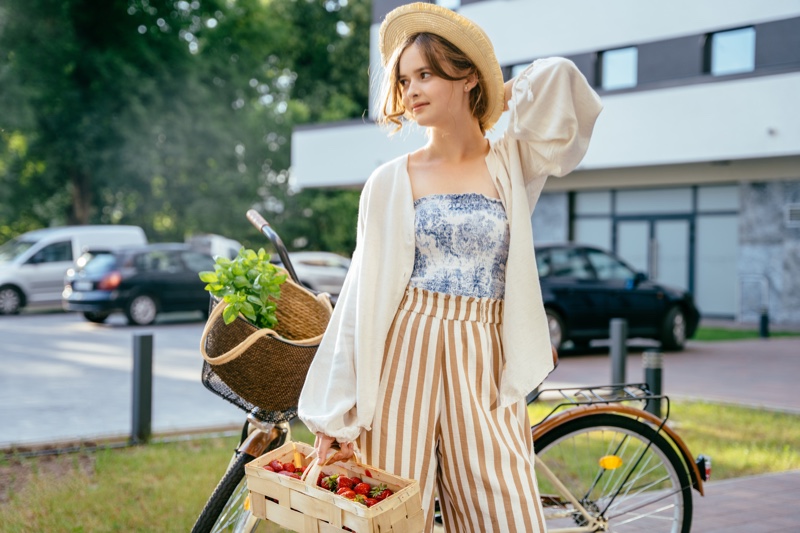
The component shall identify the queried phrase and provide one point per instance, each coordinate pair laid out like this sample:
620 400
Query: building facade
693 173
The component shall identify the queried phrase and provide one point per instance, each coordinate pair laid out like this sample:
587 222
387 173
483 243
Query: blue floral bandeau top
461 245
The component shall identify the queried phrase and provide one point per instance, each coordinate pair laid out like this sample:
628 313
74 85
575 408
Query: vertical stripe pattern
438 422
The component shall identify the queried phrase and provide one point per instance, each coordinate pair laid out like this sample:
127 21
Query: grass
162 487
725 334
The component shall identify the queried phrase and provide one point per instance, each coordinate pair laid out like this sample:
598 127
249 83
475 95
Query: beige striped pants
437 419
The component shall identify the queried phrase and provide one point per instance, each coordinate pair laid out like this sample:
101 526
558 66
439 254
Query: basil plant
249 284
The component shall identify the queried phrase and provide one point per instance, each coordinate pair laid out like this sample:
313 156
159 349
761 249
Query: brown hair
446 61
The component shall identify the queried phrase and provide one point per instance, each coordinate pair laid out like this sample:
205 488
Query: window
569 263
449 4
619 68
53 253
731 52
608 267
197 262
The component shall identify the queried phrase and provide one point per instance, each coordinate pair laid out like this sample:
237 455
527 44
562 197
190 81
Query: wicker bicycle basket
265 368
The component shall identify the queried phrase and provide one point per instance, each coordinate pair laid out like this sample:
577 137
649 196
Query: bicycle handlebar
263 226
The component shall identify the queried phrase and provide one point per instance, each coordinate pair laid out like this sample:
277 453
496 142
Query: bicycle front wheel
227 509
619 469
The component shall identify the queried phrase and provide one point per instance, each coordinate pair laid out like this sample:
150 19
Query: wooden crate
302 506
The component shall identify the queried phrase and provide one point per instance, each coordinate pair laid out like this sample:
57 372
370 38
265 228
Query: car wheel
555 324
673 332
97 318
10 301
142 310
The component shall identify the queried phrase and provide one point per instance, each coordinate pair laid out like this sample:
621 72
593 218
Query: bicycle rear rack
564 398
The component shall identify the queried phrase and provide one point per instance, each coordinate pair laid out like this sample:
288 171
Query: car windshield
608 267
99 263
13 249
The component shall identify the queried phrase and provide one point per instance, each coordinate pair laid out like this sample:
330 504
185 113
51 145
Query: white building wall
738 119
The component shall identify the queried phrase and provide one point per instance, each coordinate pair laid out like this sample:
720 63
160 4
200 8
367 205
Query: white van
32 266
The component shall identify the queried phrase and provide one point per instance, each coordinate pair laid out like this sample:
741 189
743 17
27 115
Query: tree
169 114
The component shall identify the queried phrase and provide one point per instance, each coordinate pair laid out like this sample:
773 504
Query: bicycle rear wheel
618 468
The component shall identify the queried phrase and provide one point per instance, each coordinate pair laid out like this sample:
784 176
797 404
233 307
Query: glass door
658 247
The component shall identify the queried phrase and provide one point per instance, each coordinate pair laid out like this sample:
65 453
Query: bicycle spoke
620 469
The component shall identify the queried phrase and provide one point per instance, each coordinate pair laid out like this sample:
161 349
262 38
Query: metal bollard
142 388
763 329
619 349
652 363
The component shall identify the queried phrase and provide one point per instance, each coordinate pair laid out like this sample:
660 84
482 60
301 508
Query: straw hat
421 17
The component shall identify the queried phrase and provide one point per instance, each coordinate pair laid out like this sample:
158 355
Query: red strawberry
289 474
380 492
348 482
289 467
362 488
360 498
268 468
330 483
372 501
346 493
276 465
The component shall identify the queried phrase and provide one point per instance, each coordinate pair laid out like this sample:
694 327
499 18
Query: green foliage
249 284
728 334
175 116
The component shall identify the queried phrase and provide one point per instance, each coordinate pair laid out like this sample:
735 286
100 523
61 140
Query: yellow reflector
247 503
610 462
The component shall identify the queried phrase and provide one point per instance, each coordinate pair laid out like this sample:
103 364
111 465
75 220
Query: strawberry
289 467
348 482
372 501
289 474
276 465
380 492
360 498
330 483
362 488
268 468
346 493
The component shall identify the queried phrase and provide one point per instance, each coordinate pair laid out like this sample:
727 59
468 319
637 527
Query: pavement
763 373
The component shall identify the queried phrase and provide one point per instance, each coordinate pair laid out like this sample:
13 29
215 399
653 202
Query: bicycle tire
225 509
648 490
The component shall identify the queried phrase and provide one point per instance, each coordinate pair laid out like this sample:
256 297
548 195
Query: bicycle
603 462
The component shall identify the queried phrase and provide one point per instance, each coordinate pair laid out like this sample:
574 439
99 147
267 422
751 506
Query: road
63 378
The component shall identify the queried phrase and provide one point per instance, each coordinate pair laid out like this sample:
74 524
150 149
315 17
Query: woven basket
304 507
265 368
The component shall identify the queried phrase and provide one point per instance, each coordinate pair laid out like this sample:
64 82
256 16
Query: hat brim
410 19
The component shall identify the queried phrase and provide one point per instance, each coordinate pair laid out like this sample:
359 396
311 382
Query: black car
584 287
141 282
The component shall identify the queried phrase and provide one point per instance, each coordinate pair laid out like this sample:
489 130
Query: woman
439 332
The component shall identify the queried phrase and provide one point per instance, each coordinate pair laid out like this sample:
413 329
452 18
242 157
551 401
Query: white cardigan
553 111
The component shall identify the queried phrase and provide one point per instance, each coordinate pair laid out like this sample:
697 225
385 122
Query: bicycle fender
631 412
257 442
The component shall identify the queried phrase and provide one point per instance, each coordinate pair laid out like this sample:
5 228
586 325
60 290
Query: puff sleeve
552 114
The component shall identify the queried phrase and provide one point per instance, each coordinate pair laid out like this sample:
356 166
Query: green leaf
208 277
229 314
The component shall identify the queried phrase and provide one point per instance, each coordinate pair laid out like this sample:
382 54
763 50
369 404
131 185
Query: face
430 99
